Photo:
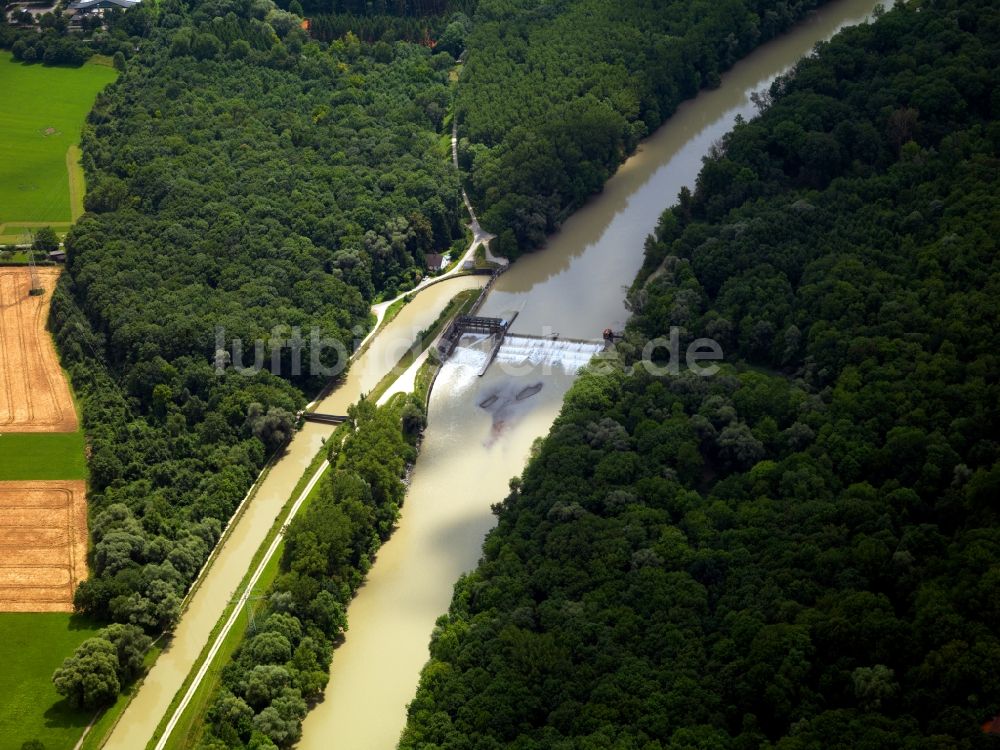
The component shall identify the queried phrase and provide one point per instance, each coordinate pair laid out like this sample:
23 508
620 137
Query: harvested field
34 395
43 545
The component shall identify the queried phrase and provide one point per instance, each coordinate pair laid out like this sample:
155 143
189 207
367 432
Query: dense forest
428 9
243 178
245 181
283 666
803 550
553 96
442 24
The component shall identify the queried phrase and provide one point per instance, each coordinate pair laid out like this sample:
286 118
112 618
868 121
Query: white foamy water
460 371
519 355
569 355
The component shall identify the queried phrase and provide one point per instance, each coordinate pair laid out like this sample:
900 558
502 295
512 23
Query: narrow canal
140 719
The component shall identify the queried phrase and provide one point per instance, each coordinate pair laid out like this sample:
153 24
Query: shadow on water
460 528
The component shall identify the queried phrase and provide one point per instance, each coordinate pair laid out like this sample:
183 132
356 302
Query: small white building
437 261
78 9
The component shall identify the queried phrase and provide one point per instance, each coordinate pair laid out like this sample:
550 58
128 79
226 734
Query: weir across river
499 330
496 327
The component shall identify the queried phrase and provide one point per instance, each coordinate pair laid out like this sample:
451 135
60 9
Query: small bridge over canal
312 416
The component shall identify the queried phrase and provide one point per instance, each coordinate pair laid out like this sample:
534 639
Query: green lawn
41 116
42 455
30 708
13 234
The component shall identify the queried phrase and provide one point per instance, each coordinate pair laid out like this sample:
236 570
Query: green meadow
42 455
31 709
41 115
13 234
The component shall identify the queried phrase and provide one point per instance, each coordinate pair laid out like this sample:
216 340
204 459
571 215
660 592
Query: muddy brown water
140 719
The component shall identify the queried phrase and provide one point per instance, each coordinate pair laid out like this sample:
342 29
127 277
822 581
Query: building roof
95 4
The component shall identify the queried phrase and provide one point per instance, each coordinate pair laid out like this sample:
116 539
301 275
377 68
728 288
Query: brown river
480 429
574 287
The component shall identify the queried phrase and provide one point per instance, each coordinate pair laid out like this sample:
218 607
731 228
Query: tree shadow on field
82 622
61 715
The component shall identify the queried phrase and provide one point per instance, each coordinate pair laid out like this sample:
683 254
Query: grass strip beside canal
188 729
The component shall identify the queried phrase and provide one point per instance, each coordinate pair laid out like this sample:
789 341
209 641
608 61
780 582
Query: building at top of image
81 8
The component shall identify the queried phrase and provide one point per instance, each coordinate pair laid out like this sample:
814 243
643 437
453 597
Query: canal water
481 430
219 586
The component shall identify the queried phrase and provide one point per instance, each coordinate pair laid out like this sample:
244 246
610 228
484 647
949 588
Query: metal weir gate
496 327
472 324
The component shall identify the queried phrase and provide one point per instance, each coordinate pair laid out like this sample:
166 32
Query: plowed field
34 395
43 545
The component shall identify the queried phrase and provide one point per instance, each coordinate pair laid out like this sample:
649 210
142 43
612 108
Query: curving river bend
575 287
